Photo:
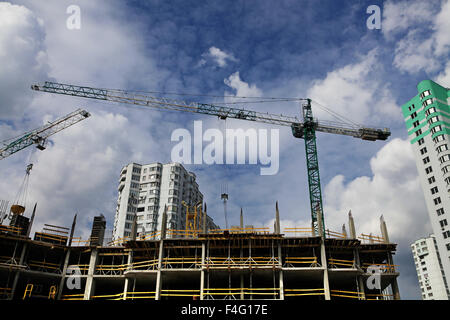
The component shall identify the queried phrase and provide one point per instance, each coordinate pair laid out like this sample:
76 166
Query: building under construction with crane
201 261
199 264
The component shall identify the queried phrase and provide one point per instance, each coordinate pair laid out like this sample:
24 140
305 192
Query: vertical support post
126 286
359 277
344 231
16 276
90 283
323 258
161 254
72 230
204 220
31 220
202 272
64 272
351 225
277 219
384 232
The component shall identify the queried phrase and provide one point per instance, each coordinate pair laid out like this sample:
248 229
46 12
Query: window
418 132
424 94
431 180
439 138
423 150
433 120
440 211
421 141
416 123
413 115
127 225
428 170
434 190
443 223
436 129
426 160
430 111
427 102
442 148
444 158
437 200
448 246
446 234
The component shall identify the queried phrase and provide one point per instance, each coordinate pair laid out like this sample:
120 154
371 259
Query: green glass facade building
427 118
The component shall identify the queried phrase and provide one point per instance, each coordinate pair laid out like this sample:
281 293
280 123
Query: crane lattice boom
305 129
39 135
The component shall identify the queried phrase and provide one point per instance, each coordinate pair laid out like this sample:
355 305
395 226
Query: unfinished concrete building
239 263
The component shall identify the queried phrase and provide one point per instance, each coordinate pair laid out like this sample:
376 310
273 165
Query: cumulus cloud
23 58
242 88
394 179
355 91
421 31
218 56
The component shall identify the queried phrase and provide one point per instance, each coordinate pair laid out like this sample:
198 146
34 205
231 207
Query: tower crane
305 129
39 135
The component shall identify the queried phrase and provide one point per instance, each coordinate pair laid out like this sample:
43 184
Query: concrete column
323 257
202 272
351 225
126 286
359 276
16 276
383 228
394 283
344 231
90 283
277 219
161 255
63 275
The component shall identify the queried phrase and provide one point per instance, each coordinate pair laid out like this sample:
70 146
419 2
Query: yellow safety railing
337 263
44 265
334 234
347 294
310 261
79 296
140 295
180 293
220 262
53 237
305 232
238 291
371 238
5 291
303 292
12 229
240 230
384 267
372 296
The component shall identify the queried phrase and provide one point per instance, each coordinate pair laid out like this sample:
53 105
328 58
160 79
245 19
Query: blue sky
317 49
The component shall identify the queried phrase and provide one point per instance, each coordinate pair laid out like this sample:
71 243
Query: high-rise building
144 192
430 272
427 117
98 231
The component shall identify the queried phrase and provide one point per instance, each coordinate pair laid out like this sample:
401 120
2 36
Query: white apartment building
427 118
430 272
144 191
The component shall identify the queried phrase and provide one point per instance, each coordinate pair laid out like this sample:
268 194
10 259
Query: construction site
196 262
202 265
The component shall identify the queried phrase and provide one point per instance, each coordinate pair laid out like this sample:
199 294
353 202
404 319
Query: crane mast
305 129
39 135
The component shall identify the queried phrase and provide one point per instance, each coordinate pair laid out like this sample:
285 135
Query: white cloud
356 92
427 38
23 58
218 56
391 191
242 88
